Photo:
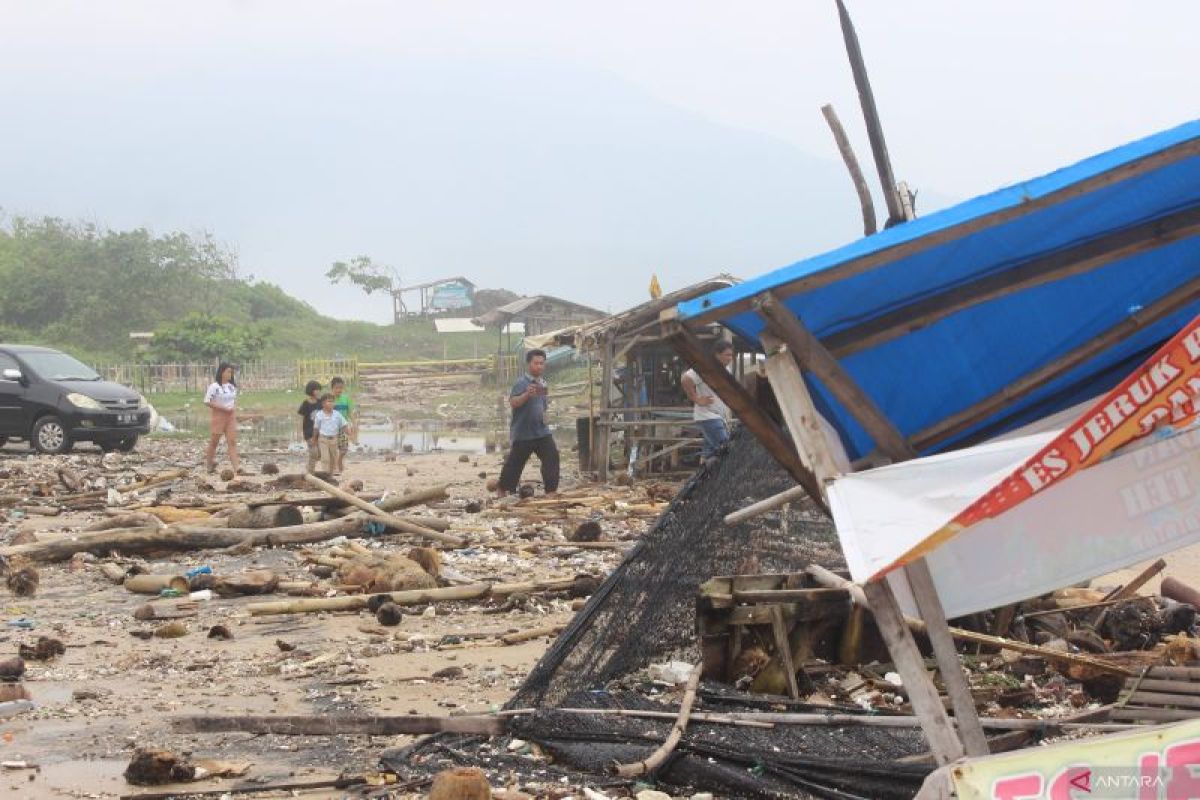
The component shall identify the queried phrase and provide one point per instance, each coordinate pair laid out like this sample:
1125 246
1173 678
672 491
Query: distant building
434 297
539 314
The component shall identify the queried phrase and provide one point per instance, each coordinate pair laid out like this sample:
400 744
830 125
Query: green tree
200 336
365 274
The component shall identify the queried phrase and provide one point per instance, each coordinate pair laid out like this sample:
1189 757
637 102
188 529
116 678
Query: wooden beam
799 413
767 504
1068 262
920 580
885 256
693 351
870 225
813 356
936 724
866 98
1017 390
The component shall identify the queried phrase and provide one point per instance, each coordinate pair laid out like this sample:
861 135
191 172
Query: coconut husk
394 573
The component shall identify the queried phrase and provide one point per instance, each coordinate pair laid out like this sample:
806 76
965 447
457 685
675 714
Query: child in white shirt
327 424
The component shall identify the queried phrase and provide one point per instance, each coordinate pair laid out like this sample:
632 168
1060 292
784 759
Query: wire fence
253 375
279 375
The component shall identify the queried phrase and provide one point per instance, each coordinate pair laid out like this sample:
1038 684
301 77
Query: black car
53 400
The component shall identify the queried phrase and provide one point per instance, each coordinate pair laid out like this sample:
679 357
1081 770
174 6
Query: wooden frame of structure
634 386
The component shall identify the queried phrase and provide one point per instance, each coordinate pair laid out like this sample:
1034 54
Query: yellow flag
655 289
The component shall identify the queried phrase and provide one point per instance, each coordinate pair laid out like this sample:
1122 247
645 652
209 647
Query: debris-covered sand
111 692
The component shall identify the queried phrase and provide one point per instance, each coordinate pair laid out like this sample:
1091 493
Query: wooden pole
866 98
799 413
943 740
689 346
813 356
870 225
656 759
920 581
390 520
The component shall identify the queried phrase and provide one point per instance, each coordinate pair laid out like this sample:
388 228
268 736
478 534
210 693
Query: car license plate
126 419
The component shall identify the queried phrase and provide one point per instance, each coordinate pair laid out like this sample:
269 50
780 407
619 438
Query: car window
60 367
7 362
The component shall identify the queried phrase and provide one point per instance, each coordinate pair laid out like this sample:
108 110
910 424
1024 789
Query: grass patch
265 402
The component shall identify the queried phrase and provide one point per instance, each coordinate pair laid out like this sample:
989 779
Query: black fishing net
730 760
645 613
646 610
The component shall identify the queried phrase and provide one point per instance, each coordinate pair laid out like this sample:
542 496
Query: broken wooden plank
815 358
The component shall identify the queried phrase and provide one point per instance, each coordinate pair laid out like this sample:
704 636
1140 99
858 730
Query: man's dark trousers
518 456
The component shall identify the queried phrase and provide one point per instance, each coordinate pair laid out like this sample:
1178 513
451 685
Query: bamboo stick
532 633
389 519
355 602
660 755
763 506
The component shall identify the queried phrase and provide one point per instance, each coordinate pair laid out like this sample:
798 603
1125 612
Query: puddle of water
46 693
377 432
420 441
418 436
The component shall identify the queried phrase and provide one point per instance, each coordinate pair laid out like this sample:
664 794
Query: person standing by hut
709 412
221 399
528 432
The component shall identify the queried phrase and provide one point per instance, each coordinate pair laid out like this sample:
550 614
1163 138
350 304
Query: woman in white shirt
221 398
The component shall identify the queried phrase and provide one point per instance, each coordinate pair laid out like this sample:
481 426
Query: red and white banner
1161 395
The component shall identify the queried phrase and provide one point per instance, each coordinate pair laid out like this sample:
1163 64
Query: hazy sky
565 147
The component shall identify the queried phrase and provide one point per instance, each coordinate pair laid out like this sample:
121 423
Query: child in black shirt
310 405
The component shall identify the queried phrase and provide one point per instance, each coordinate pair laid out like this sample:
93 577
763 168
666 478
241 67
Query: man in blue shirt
528 433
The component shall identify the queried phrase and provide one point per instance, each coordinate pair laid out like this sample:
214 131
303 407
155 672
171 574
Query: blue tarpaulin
1046 266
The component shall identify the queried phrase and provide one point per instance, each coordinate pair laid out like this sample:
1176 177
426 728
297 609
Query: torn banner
1016 518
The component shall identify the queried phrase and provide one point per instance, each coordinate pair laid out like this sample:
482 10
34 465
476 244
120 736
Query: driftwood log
177 538
303 725
276 516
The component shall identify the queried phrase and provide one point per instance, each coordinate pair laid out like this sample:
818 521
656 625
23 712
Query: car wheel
3 440
127 444
50 436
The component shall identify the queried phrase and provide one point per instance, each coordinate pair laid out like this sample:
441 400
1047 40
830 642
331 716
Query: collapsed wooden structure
942 332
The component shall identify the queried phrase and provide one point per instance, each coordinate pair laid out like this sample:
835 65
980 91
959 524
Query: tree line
77 285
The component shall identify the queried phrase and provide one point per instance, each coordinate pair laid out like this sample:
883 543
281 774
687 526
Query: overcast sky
565 147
